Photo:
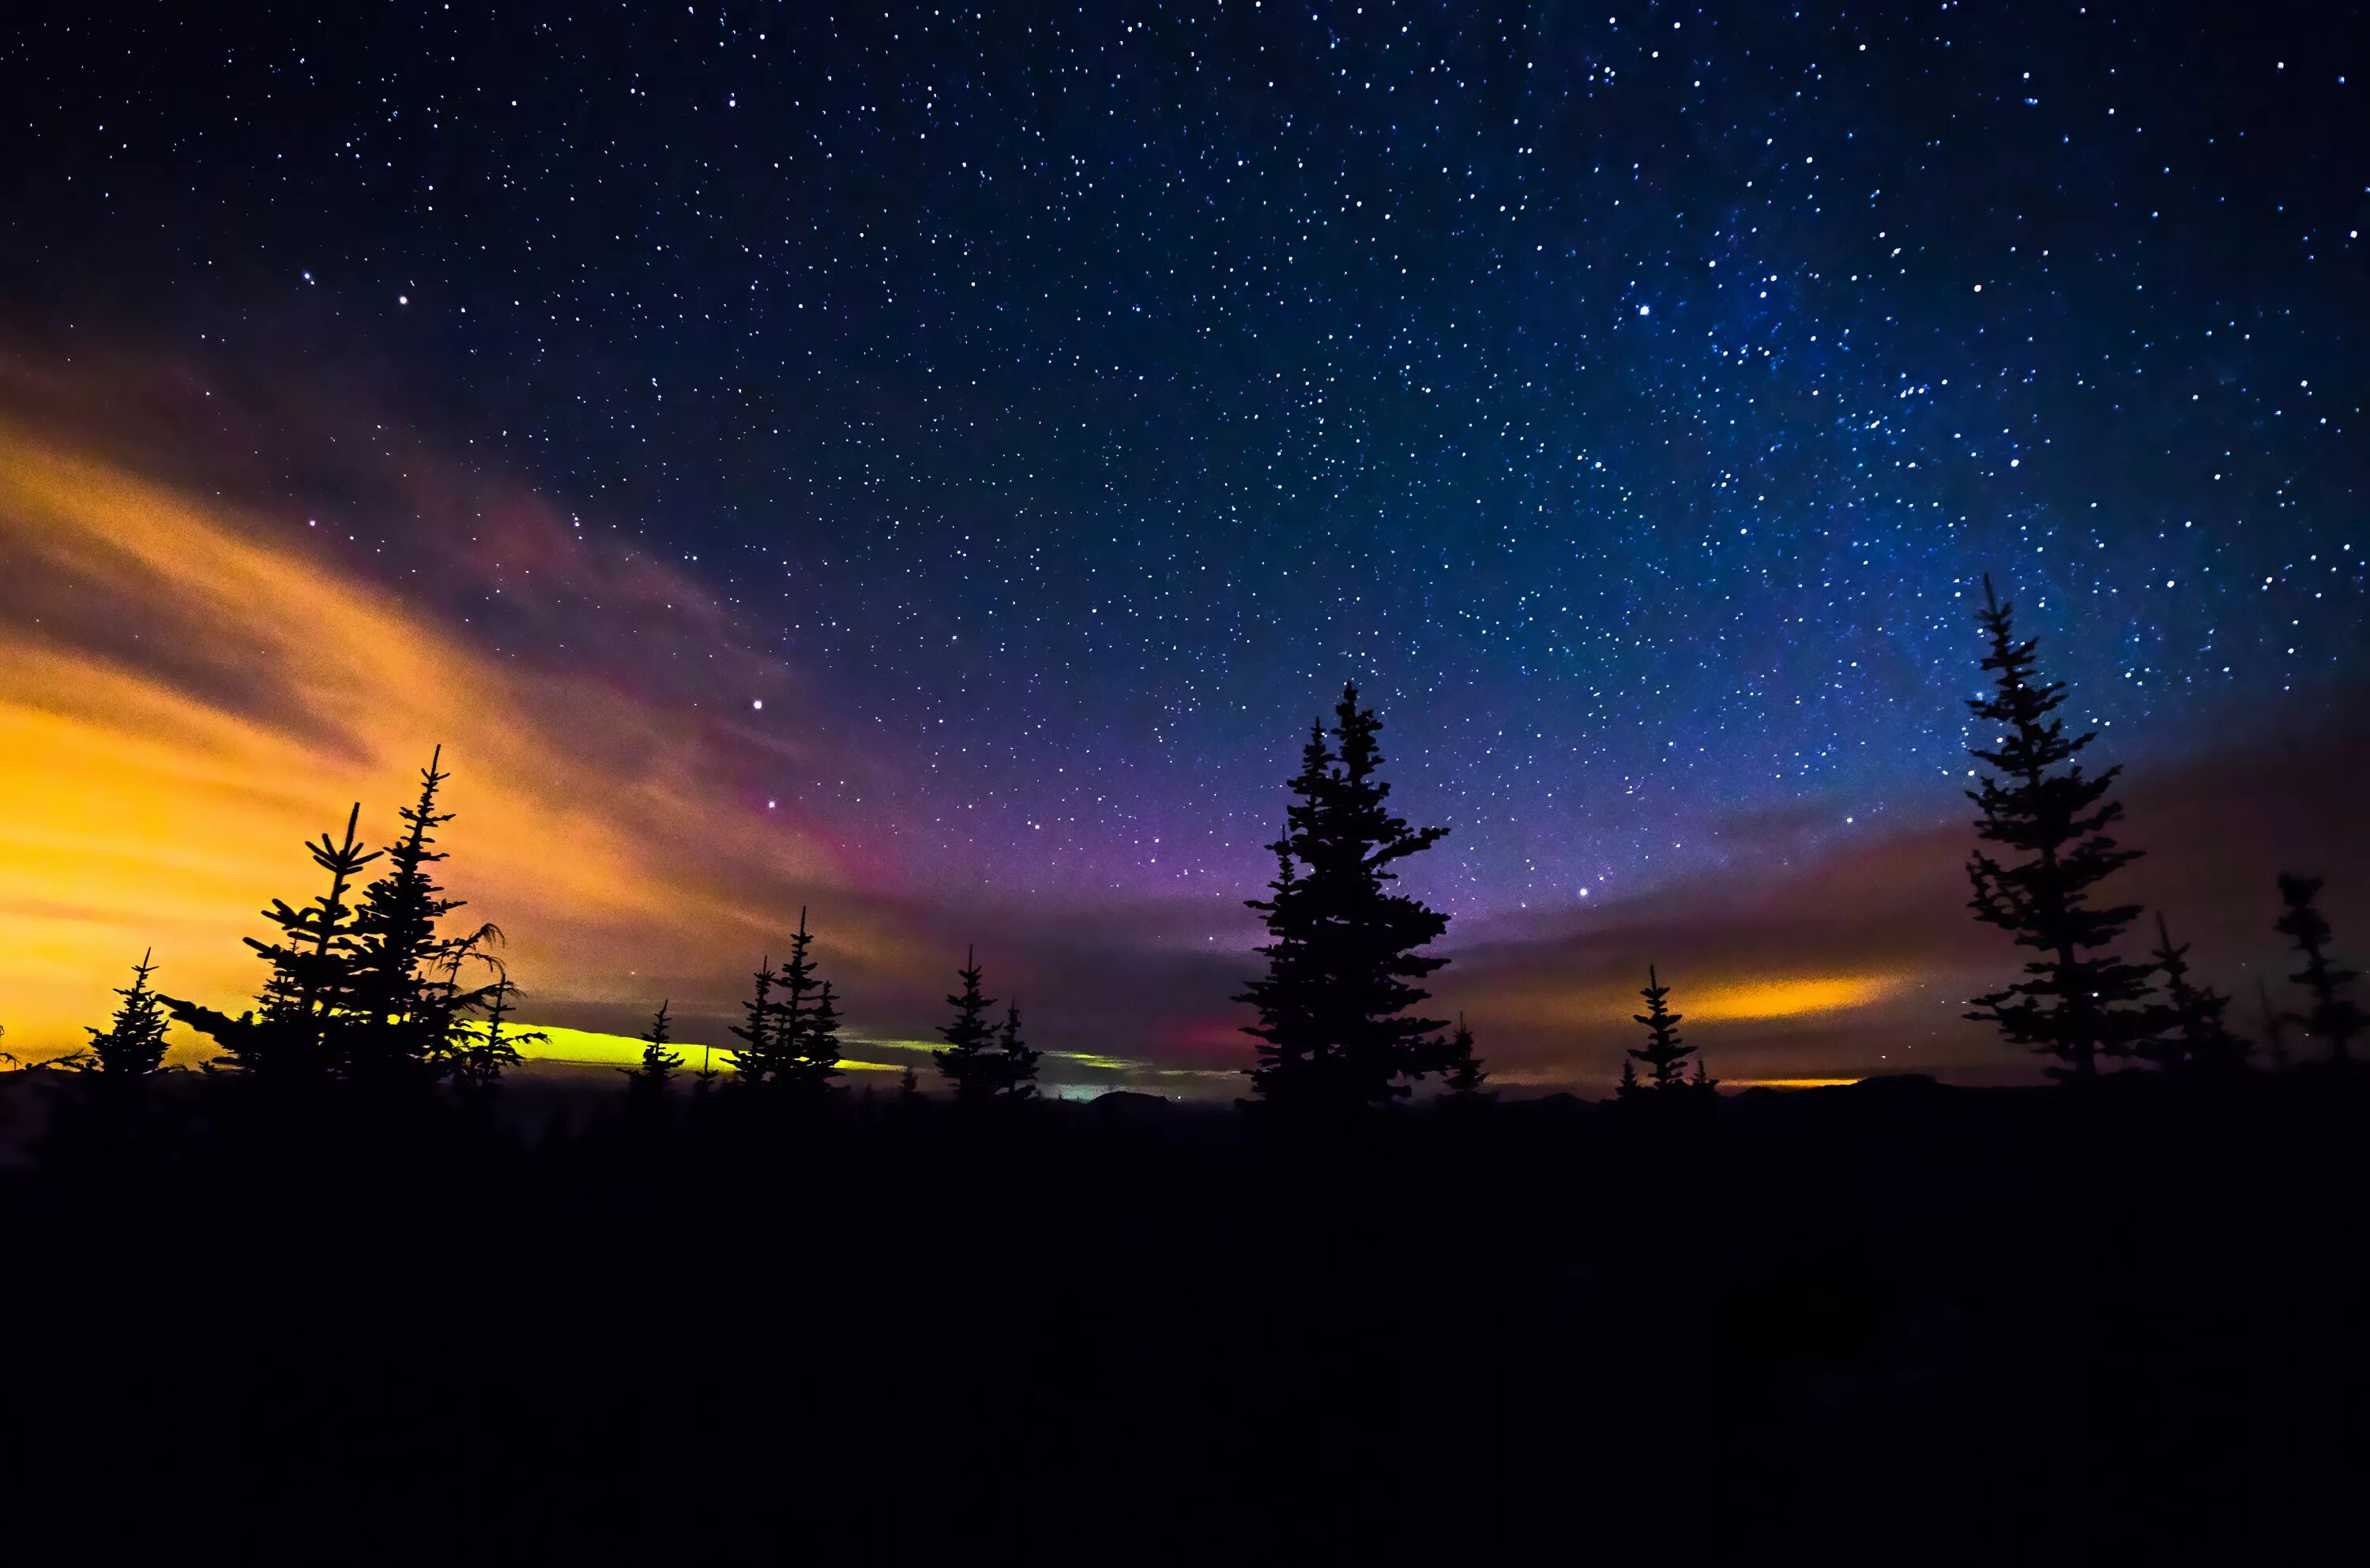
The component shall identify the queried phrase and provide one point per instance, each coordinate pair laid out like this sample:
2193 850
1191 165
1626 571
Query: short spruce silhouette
1016 1064
657 1066
485 1051
2191 1034
1665 1054
972 1063
132 1046
1461 1072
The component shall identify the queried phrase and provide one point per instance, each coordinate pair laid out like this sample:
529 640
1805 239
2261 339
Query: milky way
1629 398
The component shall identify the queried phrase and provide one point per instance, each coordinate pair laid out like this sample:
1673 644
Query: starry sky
945 455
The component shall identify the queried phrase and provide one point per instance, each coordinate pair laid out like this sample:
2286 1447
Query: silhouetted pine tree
2076 1003
1290 1033
782 1048
1629 1087
909 1085
308 1002
1703 1082
970 1062
2189 1032
1664 1055
1341 948
2334 1016
481 1053
408 999
132 1046
1016 1067
758 1058
814 1055
1461 1074
658 1065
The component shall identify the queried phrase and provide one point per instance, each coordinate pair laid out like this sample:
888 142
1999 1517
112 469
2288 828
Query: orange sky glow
158 801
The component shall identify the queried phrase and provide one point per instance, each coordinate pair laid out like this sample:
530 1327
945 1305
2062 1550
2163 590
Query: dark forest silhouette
441 1311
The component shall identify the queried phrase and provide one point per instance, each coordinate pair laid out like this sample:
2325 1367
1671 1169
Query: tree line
369 982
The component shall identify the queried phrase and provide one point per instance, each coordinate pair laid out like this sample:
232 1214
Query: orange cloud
1781 995
186 701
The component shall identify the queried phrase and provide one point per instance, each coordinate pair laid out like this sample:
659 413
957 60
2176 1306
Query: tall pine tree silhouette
2191 1033
2334 1015
1342 961
409 997
814 1057
1663 1055
132 1046
2076 1001
308 1003
757 1059
970 1062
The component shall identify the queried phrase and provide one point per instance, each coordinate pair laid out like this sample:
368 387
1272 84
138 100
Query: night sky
1040 414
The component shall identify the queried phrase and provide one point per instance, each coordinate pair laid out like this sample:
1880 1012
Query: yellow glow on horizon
591 1048
1785 997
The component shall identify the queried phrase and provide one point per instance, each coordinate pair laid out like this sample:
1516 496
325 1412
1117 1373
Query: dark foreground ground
1891 1322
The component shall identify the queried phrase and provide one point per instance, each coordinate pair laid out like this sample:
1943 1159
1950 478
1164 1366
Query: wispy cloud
189 697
